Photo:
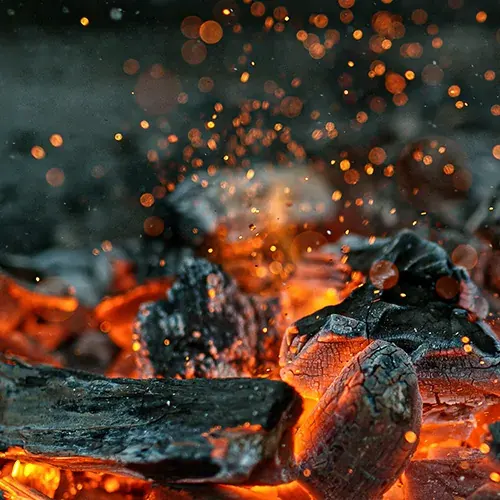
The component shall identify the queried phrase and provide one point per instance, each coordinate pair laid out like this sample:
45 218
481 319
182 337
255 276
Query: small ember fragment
463 475
206 327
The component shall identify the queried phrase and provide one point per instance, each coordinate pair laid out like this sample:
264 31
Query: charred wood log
416 298
167 430
206 327
364 430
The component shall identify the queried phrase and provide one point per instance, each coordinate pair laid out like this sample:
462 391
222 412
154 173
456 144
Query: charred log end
165 430
365 428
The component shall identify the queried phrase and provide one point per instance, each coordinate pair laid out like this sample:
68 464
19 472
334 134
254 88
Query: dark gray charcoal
494 441
420 301
448 478
206 327
166 430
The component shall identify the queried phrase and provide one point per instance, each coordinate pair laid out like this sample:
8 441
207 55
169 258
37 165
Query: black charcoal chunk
206 327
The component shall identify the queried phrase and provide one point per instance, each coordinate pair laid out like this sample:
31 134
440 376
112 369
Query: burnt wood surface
167 430
207 327
416 298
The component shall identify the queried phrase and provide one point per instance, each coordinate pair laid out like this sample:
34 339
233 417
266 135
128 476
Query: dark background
57 76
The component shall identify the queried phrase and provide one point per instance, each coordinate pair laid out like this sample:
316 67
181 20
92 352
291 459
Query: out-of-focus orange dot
496 151
190 26
447 287
131 66
395 83
381 22
384 274
280 13
153 226
346 4
351 176
194 51
481 16
432 75
409 75
448 169
118 137
211 32
205 84
389 171
144 124
357 35
459 104
361 117
55 177
377 104
321 21
386 44
346 16
400 99
317 50
258 9
437 43
291 106
38 152
495 110
433 29
377 156
465 256
419 16
489 75
301 35
147 200
345 164
56 140
84 21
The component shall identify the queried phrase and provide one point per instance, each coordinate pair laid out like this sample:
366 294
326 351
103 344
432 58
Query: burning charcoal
116 314
447 423
321 278
166 430
364 429
460 476
20 345
10 488
419 300
489 491
88 274
206 327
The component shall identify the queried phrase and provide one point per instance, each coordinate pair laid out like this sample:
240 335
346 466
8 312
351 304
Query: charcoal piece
494 440
448 422
489 491
88 274
364 429
166 430
13 489
446 478
456 354
206 327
